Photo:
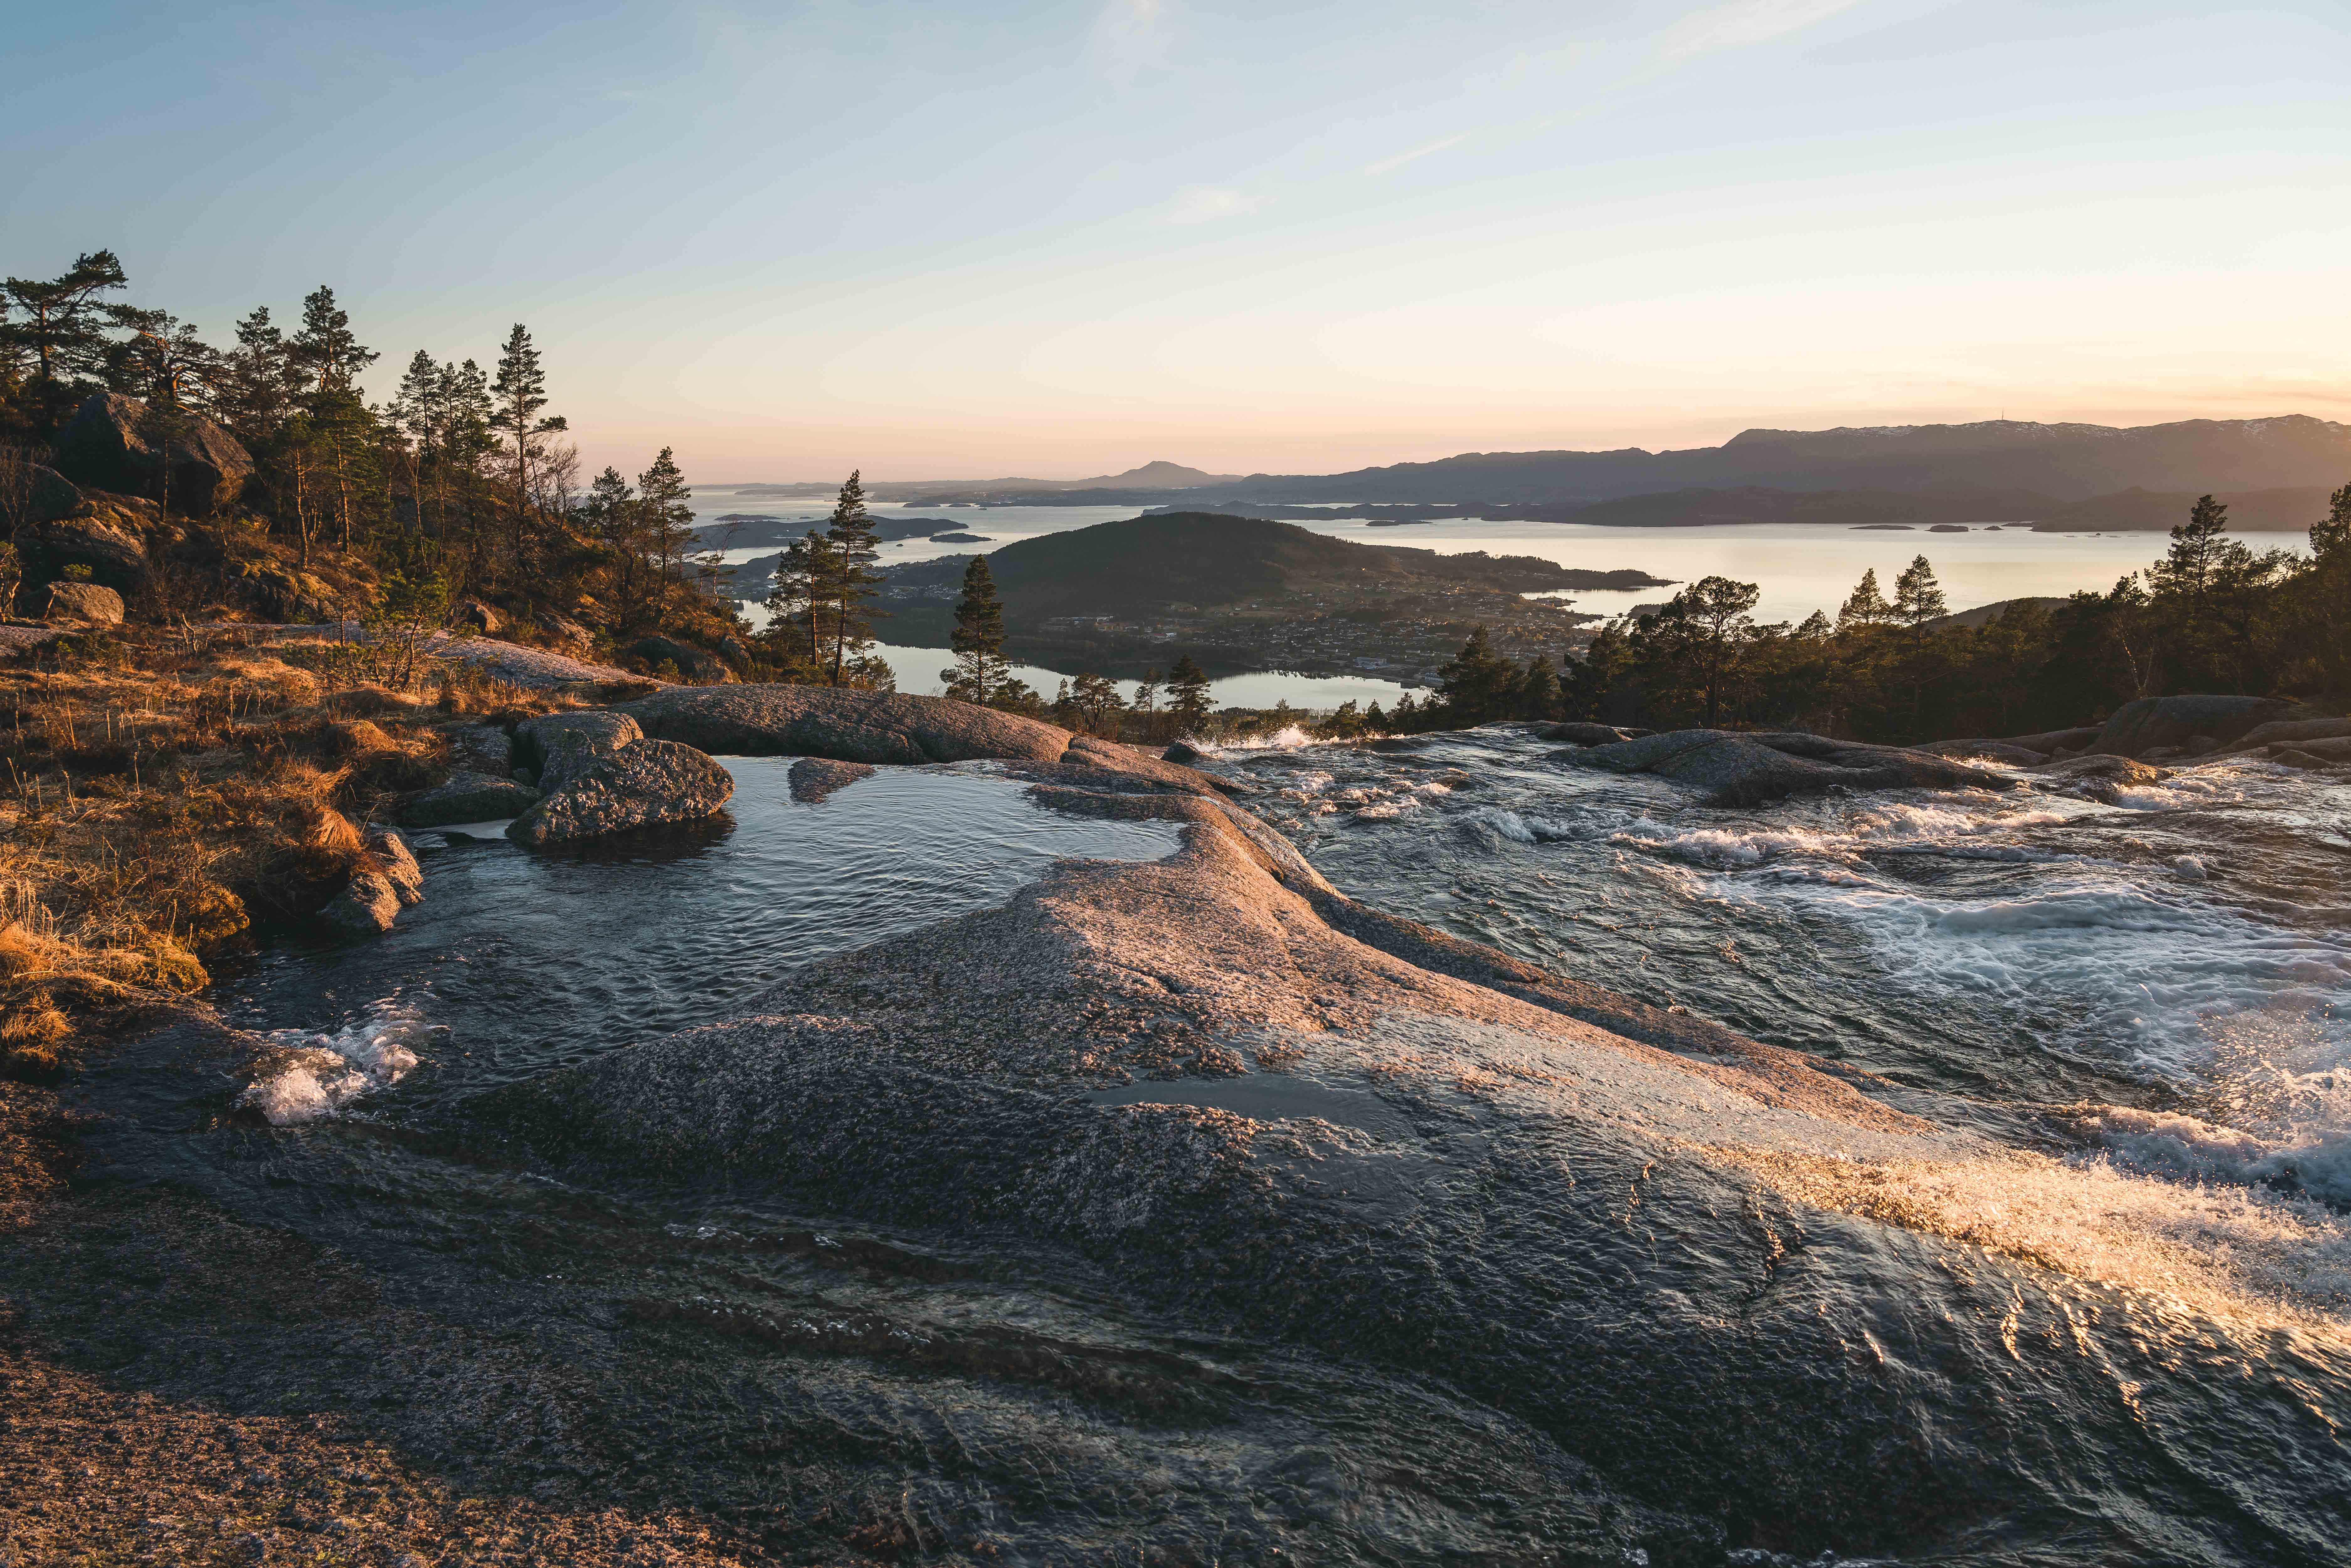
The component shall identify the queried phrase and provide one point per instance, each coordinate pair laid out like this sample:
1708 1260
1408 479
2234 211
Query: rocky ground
1184 1212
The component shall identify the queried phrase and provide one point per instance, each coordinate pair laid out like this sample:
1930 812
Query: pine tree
1865 606
1187 697
854 547
979 669
331 358
1477 684
517 396
1098 704
665 520
60 338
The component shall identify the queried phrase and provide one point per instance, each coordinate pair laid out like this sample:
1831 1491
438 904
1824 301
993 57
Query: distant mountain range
2044 463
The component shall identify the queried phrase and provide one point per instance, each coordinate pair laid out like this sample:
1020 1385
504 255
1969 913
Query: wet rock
1183 752
397 863
847 725
114 444
1133 765
2294 757
560 746
643 784
814 777
2138 726
481 617
1743 769
2100 778
367 906
1579 733
2006 751
693 663
2279 732
82 604
468 797
2055 740
1730 1279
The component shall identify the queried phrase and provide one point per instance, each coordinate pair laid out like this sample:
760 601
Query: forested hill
1142 566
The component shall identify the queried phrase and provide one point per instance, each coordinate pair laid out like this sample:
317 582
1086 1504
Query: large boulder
1740 770
100 540
469 797
114 444
1581 734
2138 728
559 746
2101 777
698 665
367 906
397 864
850 726
2278 732
642 785
51 495
82 604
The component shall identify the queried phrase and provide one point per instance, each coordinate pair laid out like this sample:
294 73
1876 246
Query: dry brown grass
160 800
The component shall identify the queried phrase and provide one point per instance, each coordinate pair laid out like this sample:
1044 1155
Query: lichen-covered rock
812 778
98 538
848 725
560 746
367 906
468 797
82 604
114 442
642 785
397 864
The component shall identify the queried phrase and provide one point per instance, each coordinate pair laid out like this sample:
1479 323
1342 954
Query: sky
976 239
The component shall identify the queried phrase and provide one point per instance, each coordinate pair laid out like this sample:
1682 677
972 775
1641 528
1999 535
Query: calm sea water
1799 568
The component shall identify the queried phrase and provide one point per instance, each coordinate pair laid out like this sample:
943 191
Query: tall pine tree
979 671
853 548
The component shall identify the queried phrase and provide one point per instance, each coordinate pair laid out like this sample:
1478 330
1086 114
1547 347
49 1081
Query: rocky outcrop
387 881
559 746
2279 732
397 864
52 496
1753 1295
481 617
812 778
1736 768
1580 733
469 797
847 725
2100 778
82 604
643 784
100 540
696 664
2139 727
2006 751
113 444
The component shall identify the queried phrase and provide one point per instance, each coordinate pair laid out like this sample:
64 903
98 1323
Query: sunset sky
1060 239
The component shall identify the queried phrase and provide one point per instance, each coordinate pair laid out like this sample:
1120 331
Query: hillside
2289 510
1243 593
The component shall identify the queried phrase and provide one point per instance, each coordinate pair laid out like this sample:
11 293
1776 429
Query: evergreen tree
853 549
665 521
1187 697
2324 587
258 383
800 606
60 337
1718 609
517 396
979 669
1374 721
1477 684
1865 606
1099 706
1538 690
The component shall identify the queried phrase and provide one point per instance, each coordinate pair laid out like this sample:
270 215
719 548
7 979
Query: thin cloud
1401 158
1743 24
1130 37
1204 205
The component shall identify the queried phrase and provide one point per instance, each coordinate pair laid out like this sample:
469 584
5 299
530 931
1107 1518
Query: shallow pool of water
520 960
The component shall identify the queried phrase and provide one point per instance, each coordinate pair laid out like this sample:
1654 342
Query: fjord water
519 961
2168 977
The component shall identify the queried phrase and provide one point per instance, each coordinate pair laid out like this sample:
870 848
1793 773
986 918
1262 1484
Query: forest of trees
2213 615
463 483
